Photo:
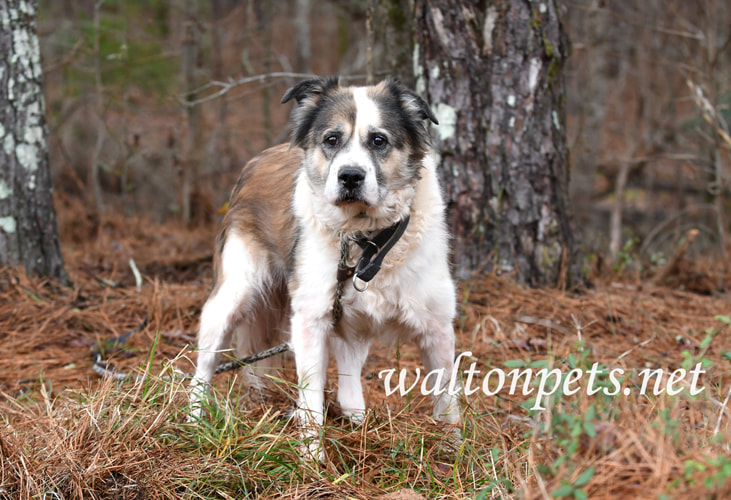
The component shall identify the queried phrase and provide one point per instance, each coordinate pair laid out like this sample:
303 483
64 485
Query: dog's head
363 146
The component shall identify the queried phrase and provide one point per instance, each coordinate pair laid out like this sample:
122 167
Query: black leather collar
369 263
374 251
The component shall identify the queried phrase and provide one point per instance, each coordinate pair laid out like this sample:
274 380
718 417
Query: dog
333 241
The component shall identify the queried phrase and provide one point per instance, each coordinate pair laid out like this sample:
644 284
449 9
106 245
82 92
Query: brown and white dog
359 162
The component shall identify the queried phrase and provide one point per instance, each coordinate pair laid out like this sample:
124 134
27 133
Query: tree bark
94 168
192 138
28 226
303 9
492 71
593 72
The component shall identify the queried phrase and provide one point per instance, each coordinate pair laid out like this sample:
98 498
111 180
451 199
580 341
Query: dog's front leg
309 343
350 355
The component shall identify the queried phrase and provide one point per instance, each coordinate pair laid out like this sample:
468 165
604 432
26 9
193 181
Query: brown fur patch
260 207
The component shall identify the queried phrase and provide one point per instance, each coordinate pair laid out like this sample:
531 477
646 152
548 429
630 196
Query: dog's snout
351 177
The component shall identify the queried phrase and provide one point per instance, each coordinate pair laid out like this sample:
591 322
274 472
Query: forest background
152 109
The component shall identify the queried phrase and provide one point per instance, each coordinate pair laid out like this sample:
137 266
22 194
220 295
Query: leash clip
364 287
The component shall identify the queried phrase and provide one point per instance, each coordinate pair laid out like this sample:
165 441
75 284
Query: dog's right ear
310 89
308 95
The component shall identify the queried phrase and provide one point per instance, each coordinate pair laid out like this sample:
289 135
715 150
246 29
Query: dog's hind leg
259 331
241 279
437 353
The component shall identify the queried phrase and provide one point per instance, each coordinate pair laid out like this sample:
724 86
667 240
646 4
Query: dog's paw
195 413
452 439
198 395
309 430
312 450
356 417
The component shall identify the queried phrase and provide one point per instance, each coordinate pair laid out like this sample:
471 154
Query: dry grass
67 434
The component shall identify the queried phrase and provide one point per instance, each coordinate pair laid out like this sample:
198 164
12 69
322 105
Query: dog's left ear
310 89
411 102
308 95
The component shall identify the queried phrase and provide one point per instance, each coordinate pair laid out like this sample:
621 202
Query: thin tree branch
227 86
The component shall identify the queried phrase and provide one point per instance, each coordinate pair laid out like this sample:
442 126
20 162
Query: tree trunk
94 168
28 227
192 139
492 71
303 9
593 74
394 29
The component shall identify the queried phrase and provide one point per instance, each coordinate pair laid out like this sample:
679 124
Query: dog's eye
378 141
332 140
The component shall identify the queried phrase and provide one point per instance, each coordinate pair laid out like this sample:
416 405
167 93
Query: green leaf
585 477
527 405
724 319
541 363
562 491
589 429
580 494
706 342
514 363
544 470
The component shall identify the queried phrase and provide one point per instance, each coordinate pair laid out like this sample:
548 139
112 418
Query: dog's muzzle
350 184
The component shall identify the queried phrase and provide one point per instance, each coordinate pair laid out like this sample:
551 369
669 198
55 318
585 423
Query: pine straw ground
66 433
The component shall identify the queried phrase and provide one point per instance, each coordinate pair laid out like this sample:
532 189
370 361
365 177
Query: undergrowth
132 440
111 439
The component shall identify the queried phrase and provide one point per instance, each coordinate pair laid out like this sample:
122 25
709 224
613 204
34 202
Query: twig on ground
545 323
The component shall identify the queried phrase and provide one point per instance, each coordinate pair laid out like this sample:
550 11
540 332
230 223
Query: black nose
351 178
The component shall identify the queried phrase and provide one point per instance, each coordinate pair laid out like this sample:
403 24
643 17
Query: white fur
412 298
243 278
354 152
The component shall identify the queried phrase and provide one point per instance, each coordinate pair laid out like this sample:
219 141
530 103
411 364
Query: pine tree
493 74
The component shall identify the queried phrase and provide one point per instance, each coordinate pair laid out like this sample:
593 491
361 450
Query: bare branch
225 87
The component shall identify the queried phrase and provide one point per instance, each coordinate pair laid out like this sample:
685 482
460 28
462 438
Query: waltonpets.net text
544 381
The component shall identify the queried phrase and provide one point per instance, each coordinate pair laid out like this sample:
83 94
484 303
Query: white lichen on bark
487 28
420 86
9 144
27 142
7 224
533 73
5 190
447 117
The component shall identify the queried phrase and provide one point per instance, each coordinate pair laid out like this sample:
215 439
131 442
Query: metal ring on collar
355 285
378 249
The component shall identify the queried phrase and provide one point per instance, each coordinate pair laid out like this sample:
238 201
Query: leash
369 263
106 370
